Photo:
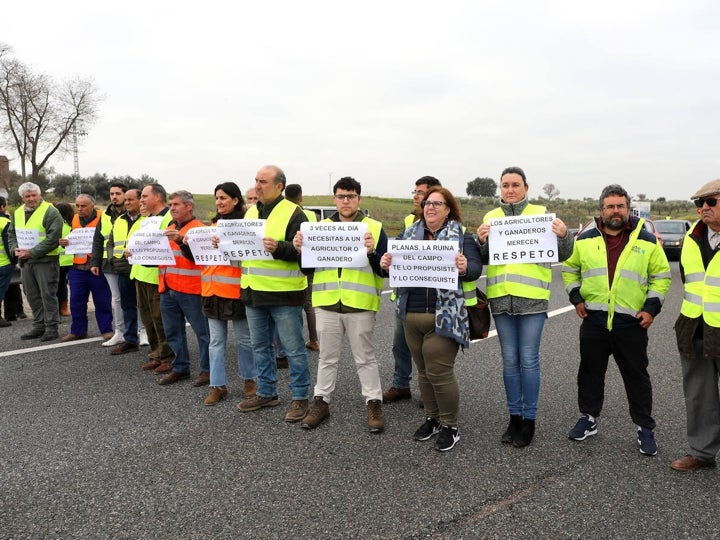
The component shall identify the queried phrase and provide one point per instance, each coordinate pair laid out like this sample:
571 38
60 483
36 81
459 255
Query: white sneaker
142 338
117 339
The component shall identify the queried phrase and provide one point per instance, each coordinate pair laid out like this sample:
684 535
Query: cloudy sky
578 94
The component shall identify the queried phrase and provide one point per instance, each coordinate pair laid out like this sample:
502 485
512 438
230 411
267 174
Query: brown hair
450 200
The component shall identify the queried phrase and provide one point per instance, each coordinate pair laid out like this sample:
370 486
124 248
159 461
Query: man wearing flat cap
698 331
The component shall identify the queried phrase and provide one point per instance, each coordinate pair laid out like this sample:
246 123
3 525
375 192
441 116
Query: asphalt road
92 447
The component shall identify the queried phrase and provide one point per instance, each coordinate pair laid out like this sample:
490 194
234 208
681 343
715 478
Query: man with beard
617 278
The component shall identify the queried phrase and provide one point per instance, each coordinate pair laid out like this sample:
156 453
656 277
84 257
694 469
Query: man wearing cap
617 278
698 331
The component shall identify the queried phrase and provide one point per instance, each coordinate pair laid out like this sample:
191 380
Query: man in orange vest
83 282
180 290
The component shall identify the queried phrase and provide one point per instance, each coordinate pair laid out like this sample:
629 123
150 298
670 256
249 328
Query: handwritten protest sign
27 238
334 244
80 241
200 242
241 239
522 239
423 263
150 247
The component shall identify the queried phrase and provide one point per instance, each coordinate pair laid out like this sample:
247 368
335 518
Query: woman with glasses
435 321
519 296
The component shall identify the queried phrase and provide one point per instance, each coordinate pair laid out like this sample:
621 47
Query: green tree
481 187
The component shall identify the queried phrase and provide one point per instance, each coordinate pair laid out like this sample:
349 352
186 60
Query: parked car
673 234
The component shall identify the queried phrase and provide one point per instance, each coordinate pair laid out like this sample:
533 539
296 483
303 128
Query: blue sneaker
646 440
586 426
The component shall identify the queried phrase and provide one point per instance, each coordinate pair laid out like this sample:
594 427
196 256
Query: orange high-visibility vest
184 277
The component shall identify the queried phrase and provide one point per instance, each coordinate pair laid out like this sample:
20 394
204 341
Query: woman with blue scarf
436 321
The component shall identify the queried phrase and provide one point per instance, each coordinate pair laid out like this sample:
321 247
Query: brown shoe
152 364
282 363
203 379
173 377
124 348
297 411
108 335
164 367
256 402
319 411
396 394
249 388
64 309
216 395
691 463
376 421
313 345
72 337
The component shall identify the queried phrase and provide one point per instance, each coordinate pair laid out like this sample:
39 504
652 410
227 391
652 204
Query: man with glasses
347 301
698 332
617 279
400 388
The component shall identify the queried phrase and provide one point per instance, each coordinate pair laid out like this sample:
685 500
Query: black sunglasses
710 202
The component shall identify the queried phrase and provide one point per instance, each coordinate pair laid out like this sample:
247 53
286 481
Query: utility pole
76 172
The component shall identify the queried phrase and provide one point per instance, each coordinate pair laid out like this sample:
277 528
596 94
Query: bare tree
37 114
551 191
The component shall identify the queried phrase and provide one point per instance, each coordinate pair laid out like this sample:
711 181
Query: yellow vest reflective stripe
526 280
64 258
35 222
275 274
119 234
146 274
4 258
702 288
641 273
358 288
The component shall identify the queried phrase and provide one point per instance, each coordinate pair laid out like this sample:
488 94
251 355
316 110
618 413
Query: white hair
28 186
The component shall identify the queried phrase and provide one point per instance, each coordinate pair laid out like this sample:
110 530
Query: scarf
451 316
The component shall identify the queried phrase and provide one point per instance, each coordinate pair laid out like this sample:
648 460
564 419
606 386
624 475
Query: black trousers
629 348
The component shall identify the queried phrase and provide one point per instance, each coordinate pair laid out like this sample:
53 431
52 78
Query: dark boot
512 429
525 435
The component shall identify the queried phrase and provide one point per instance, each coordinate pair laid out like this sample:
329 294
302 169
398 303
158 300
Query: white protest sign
241 239
522 239
151 222
423 263
334 244
200 242
27 238
80 241
150 247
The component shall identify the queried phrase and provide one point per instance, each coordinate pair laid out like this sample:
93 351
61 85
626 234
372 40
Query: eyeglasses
350 197
434 204
612 207
418 193
701 201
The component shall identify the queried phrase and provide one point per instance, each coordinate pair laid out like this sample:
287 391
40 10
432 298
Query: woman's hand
386 261
483 232
461 263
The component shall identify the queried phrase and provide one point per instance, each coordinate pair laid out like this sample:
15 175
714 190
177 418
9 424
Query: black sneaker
584 428
447 438
428 429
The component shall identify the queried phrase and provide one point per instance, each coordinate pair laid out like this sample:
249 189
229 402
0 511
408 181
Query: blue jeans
520 344
218 344
289 323
128 303
403 358
175 307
